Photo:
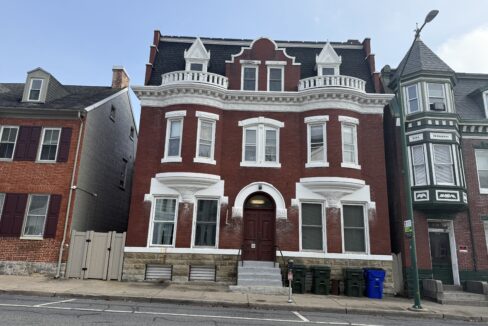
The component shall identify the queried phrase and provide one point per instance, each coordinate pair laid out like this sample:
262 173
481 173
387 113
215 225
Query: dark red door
259 235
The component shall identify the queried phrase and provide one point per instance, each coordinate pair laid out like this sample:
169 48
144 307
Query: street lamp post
406 171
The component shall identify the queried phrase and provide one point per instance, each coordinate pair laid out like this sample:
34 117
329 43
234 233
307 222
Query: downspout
71 190
473 251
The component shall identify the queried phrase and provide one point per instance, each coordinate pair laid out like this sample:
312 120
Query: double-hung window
312 226
316 141
413 99
164 221
49 144
437 96
8 138
36 214
35 89
250 78
349 142
418 165
196 66
260 142
206 223
443 164
275 79
174 132
482 167
205 148
355 229
486 232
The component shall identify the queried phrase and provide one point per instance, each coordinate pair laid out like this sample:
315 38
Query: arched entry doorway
259 228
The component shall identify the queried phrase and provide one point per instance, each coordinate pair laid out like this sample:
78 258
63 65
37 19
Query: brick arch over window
237 210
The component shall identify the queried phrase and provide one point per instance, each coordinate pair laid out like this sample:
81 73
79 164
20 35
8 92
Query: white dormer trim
197 53
328 58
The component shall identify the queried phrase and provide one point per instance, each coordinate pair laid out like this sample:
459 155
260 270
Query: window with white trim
419 166
35 89
349 142
8 139
437 97
35 218
413 101
443 164
275 79
354 229
205 148
2 201
174 132
249 78
312 226
49 144
164 221
260 142
316 141
206 222
328 71
196 66
482 168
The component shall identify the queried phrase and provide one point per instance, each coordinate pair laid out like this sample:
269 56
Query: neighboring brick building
447 129
66 159
252 147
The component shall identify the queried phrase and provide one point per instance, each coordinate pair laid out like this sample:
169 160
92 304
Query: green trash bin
298 283
320 279
354 284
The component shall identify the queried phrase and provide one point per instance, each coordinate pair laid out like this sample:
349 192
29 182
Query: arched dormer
197 57
328 62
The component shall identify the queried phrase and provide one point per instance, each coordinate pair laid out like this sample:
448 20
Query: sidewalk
219 295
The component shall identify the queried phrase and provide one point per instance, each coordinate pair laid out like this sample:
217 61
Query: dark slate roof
422 59
170 57
78 97
468 95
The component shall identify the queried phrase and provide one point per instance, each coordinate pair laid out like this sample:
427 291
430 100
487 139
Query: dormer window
437 97
197 57
35 89
328 71
328 62
196 66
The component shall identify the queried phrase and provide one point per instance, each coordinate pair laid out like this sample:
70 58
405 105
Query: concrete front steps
260 277
454 295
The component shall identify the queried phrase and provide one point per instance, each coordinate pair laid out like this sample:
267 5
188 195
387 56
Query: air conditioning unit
438 106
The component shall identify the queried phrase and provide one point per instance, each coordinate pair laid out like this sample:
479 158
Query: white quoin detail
197 53
328 58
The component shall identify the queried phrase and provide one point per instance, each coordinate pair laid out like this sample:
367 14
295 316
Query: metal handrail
282 257
237 262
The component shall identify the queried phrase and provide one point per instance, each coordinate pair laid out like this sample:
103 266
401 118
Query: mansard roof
171 49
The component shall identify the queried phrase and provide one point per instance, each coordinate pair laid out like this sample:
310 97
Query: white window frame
2 203
444 92
324 226
412 168
211 118
485 222
485 102
170 117
15 143
350 122
476 151
453 162
26 214
314 121
418 98
261 124
151 223
256 83
276 65
194 222
367 245
39 150
30 89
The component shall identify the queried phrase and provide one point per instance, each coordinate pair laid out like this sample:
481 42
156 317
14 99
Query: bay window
312 234
355 229
413 99
206 223
443 164
437 96
349 142
419 165
164 221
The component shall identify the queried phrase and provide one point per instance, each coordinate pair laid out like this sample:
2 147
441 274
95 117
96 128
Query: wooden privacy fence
96 255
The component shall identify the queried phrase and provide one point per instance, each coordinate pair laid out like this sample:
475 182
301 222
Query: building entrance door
440 253
259 228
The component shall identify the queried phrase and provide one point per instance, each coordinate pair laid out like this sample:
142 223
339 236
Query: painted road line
55 302
300 316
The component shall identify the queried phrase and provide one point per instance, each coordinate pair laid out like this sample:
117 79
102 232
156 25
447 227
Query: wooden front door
259 230
440 253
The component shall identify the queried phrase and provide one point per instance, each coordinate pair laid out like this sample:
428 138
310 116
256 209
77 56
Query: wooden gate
96 255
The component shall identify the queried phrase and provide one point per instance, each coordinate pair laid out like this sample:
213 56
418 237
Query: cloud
468 52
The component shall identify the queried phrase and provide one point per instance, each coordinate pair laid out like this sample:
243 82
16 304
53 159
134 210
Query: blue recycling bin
374 282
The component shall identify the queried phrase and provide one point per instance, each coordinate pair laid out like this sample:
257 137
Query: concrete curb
251 305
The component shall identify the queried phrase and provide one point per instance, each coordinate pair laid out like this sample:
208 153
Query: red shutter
64 142
52 216
27 143
13 215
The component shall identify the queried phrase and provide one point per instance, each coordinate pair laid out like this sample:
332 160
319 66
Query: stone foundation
26 268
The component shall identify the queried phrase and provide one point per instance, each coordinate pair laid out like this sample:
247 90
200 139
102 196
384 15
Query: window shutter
27 143
13 215
64 142
52 216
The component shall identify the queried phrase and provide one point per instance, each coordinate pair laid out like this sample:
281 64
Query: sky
80 41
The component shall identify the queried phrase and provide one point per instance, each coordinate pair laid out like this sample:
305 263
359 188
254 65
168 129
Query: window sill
172 159
317 165
204 160
6 159
351 166
484 191
261 165
45 161
26 237
160 246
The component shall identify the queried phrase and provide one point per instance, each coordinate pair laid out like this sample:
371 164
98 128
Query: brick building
255 149
446 127
66 158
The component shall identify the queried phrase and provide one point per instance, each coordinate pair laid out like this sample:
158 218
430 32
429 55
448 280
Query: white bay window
443 164
418 162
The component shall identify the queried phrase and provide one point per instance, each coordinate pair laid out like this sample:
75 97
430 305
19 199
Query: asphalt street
31 310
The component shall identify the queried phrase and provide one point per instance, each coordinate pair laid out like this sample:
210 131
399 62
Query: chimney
120 78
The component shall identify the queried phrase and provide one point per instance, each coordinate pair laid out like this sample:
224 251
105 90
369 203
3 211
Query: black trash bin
298 283
320 279
353 282
375 277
